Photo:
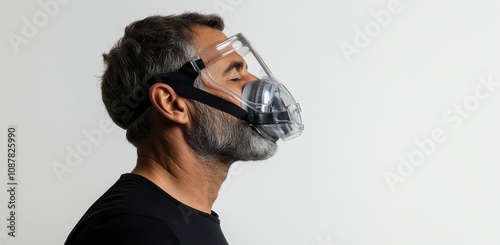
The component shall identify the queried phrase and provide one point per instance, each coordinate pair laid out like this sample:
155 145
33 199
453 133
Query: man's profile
192 101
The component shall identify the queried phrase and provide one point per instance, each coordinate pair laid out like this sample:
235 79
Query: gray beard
218 136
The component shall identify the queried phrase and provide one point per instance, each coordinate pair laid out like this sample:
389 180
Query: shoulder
130 229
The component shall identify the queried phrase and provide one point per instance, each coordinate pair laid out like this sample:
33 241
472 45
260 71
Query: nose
249 77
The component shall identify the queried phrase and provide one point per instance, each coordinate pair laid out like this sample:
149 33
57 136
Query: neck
192 180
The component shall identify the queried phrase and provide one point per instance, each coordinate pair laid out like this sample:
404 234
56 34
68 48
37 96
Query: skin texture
169 156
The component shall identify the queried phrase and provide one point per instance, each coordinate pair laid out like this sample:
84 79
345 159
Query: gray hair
156 44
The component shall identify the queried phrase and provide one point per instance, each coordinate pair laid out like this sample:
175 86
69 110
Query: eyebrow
233 65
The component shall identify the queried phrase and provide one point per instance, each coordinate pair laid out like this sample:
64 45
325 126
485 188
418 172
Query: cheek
235 88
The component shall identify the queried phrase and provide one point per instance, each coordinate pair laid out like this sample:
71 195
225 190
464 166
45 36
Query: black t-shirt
136 211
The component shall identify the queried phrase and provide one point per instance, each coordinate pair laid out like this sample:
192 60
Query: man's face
216 134
229 71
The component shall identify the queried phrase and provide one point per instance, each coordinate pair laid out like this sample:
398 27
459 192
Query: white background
362 111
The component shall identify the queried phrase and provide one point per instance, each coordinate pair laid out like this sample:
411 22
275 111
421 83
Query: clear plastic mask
233 64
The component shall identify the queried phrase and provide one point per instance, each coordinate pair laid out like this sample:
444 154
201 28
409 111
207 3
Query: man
190 119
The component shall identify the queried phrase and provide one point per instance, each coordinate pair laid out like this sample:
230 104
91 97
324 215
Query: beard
218 136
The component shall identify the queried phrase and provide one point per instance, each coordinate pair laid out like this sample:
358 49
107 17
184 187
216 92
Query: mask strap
278 117
182 82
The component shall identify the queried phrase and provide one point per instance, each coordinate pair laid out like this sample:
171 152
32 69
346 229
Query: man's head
153 45
162 44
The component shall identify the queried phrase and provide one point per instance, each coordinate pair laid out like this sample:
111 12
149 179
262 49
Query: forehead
205 37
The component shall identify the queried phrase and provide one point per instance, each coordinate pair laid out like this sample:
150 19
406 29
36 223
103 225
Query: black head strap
182 82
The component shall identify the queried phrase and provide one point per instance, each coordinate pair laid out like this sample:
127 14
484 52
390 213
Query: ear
168 103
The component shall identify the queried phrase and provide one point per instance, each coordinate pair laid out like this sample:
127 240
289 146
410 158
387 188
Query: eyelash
235 79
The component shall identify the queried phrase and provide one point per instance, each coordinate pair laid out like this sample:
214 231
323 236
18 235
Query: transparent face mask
234 71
